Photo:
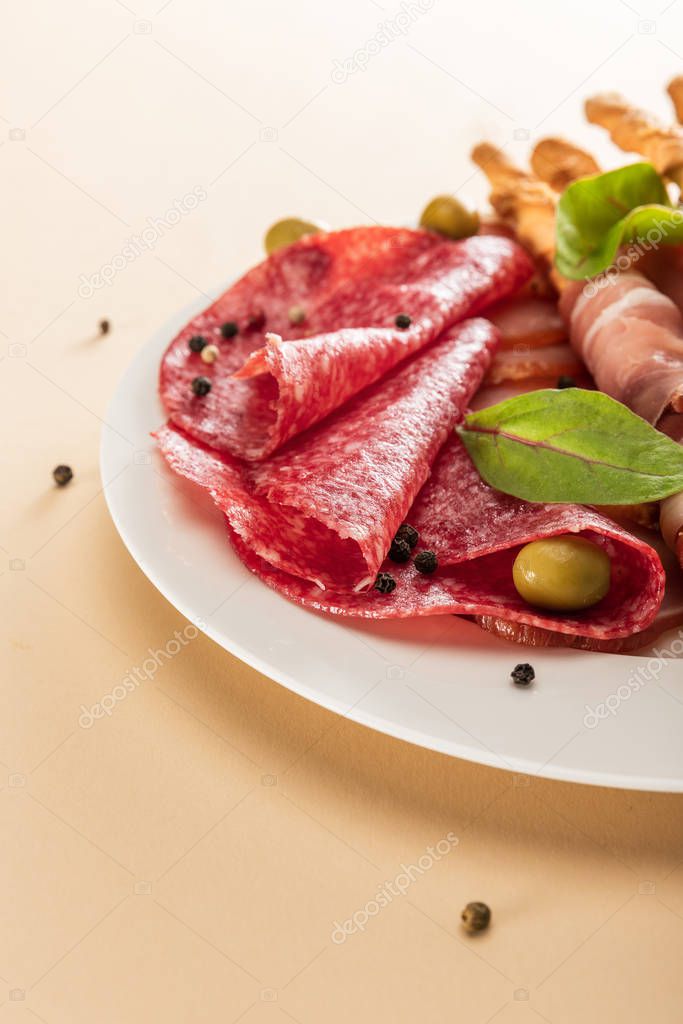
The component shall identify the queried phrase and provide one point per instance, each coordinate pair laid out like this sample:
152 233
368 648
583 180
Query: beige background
186 858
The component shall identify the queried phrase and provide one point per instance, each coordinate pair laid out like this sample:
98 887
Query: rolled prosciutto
664 267
630 336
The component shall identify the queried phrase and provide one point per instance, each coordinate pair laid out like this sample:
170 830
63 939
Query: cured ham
534 341
317 518
320 320
528 320
664 267
476 533
669 616
628 332
522 363
325 509
630 335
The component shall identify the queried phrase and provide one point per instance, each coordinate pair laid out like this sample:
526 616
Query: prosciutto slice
664 267
630 336
671 509
316 323
326 508
476 533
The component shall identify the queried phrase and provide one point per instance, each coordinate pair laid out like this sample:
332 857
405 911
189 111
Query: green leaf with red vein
572 446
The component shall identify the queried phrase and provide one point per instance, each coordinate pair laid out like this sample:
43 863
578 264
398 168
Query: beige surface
185 859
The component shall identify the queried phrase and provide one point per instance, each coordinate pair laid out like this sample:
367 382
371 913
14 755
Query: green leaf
599 214
572 446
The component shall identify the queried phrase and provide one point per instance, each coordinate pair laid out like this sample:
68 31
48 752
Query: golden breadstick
559 163
636 131
675 91
496 166
521 200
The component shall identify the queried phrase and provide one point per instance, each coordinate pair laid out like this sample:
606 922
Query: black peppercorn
407 533
229 329
385 583
566 382
476 917
523 674
403 321
196 343
399 550
426 562
62 475
104 326
201 386
256 320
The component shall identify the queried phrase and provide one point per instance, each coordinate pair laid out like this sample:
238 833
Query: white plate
439 682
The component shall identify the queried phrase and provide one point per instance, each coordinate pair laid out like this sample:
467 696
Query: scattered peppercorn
566 382
210 353
476 917
62 475
196 343
297 315
407 533
201 386
523 674
229 329
385 583
105 327
403 321
256 320
426 561
399 550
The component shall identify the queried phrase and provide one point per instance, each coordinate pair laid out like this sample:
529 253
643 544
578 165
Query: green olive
562 573
447 216
291 229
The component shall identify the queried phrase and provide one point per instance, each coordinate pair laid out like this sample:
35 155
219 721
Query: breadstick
675 91
559 163
637 131
521 200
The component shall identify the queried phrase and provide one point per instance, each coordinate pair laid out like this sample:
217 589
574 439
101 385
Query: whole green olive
562 573
447 216
291 229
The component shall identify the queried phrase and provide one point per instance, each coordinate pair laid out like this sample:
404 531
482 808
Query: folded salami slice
314 324
476 533
327 506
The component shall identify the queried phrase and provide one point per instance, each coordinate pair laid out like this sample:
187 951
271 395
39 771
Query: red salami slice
327 506
669 615
275 378
476 533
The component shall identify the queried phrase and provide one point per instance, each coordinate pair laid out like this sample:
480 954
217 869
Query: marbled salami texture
476 533
326 507
350 286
